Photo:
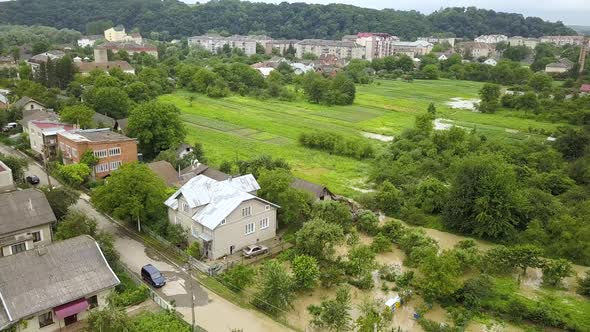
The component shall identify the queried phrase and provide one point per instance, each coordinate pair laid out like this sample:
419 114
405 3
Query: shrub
389 272
367 222
381 243
238 277
305 272
337 144
194 250
584 284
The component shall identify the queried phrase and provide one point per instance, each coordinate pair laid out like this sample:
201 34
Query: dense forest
283 20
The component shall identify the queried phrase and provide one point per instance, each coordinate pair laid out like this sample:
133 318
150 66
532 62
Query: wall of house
36 139
45 231
33 322
233 232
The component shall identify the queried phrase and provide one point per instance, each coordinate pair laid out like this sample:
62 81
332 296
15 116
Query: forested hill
284 20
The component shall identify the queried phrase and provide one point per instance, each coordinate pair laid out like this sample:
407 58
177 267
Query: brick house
111 148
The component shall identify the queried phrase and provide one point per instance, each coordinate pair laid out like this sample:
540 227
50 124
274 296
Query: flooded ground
445 124
464 104
379 137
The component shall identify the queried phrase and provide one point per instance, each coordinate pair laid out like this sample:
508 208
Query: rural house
54 286
6 182
26 103
224 216
25 221
43 136
165 171
319 192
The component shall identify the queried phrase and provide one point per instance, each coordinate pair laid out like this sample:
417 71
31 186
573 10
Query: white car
254 250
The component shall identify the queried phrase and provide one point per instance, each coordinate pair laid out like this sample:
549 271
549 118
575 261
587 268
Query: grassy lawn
243 127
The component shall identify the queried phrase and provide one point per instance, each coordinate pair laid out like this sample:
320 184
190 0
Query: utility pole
45 167
190 280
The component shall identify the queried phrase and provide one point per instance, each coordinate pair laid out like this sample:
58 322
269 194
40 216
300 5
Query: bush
381 243
584 284
389 272
367 222
238 278
337 144
305 272
364 281
194 250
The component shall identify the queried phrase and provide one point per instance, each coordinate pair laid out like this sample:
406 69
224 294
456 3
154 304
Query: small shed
393 303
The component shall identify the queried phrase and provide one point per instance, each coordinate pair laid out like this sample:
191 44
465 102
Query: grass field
243 127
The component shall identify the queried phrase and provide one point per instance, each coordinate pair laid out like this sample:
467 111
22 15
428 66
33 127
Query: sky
571 12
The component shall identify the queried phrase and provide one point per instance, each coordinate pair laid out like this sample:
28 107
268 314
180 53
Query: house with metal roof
224 216
25 221
54 286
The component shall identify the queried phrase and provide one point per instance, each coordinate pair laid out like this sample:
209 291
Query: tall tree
275 289
80 115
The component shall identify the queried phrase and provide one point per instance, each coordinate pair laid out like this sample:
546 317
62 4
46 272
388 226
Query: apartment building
112 149
338 48
281 45
377 45
476 50
491 39
212 43
43 136
412 49
522 41
563 40
439 40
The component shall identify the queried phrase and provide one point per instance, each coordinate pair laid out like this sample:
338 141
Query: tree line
174 19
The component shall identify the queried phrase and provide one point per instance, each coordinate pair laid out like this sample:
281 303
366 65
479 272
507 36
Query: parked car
9 126
152 275
215 269
254 250
33 179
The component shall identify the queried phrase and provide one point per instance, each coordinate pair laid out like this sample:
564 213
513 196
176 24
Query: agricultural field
243 127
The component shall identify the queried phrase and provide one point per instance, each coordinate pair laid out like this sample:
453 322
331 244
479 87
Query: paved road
34 168
213 312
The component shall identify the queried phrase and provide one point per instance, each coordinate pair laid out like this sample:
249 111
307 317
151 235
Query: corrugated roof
165 171
24 209
37 280
216 199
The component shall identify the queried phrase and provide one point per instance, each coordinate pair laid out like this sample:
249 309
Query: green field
243 127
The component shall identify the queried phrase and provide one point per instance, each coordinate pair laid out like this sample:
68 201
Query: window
115 151
115 164
184 207
101 168
250 228
195 231
100 153
19 247
93 301
75 152
247 211
264 223
37 236
267 207
223 222
45 319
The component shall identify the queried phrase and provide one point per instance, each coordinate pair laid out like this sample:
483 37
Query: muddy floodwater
379 137
464 104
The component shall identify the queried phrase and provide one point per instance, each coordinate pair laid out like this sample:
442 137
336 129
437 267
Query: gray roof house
201 169
224 216
319 192
25 221
54 286
27 103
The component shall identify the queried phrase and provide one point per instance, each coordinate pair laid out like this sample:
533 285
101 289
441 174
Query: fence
238 259
153 295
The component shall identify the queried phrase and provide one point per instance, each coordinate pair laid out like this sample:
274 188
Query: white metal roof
215 199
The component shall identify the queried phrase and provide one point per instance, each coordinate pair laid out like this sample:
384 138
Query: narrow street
213 312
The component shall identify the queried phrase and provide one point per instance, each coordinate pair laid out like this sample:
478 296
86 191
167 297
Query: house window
195 231
115 164
223 222
100 153
264 223
247 211
184 207
45 319
93 301
75 152
36 236
101 168
19 247
115 151
250 228
267 207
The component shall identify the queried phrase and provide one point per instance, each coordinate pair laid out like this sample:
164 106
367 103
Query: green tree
194 250
74 175
64 71
60 199
78 115
424 124
17 166
483 199
361 260
432 109
525 256
109 319
342 90
372 316
381 243
489 94
275 289
238 277
540 82
109 101
584 284
75 223
202 79
554 270
333 212
333 314
88 158
439 276
317 238
133 191
305 272
430 72
275 186
157 126
139 92
388 198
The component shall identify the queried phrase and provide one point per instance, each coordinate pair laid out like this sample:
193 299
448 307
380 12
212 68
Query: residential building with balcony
339 48
111 148
213 43
563 40
411 49
25 221
43 136
522 41
491 39
377 45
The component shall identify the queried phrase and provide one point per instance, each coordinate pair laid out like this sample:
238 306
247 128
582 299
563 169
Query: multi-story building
53 287
281 45
377 45
563 40
412 49
491 39
338 48
439 40
25 221
224 216
522 41
130 47
118 34
475 50
112 149
212 43
88 40
43 136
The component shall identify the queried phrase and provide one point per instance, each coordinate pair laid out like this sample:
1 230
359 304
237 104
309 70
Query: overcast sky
575 12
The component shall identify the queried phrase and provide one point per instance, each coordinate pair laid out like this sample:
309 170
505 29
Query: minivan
150 274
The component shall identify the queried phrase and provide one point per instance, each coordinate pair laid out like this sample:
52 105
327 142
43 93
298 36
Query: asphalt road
33 168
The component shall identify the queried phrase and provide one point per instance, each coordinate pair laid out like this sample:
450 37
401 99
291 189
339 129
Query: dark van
150 274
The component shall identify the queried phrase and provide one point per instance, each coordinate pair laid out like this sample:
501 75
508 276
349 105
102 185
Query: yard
243 127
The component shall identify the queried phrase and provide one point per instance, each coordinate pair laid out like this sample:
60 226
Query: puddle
464 104
512 131
379 137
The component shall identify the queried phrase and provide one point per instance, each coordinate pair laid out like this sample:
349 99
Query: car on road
9 126
153 276
33 179
254 250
